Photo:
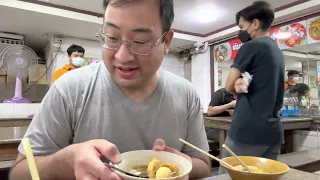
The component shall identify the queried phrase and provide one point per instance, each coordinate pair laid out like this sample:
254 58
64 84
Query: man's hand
86 160
241 86
160 145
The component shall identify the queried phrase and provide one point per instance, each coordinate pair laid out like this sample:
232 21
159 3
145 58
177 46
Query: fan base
14 100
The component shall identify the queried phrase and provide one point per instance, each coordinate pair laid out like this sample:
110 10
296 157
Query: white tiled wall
304 140
7 109
174 64
200 70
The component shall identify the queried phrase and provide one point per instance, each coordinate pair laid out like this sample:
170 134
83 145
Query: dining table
293 174
289 124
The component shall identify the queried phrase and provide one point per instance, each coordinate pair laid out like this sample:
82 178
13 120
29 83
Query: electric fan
17 60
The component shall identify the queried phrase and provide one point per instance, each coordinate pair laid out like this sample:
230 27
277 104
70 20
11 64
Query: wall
20 110
174 64
187 71
304 140
200 70
92 48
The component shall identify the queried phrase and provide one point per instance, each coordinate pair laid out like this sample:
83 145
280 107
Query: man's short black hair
166 11
260 10
292 72
75 48
299 88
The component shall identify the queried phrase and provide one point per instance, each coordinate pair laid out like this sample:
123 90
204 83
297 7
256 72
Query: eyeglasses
135 46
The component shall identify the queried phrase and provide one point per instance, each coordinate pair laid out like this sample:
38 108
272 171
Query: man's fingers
111 175
87 177
159 145
108 150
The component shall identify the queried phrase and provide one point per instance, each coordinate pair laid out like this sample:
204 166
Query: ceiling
37 27
194 16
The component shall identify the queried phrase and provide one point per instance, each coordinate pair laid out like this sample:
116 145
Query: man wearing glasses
126 103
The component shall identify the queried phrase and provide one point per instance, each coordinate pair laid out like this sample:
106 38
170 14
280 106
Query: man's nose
124 54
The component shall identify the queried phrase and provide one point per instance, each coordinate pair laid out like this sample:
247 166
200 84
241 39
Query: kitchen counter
291 175
14 121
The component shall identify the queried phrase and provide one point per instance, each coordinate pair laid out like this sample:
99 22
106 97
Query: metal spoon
137 174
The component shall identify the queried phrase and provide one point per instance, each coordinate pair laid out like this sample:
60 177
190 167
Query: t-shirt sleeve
216 99
50 129
196 133
244 57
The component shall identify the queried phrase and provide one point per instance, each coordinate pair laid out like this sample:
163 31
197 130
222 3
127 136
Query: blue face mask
78 61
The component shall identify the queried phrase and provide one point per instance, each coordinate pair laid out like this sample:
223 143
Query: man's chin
128 83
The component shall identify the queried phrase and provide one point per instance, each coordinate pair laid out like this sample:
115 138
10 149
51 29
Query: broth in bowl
155 164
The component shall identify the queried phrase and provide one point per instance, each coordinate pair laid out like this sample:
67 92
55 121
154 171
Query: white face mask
78 61
295 79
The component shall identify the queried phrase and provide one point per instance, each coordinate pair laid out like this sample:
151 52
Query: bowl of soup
261 168
155 164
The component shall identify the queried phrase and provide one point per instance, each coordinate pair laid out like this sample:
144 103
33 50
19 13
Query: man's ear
167 41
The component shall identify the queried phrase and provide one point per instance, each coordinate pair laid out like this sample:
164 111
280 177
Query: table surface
307 156
10 135
14 117
283 119
291 175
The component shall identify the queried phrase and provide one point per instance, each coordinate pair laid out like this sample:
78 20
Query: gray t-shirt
86 104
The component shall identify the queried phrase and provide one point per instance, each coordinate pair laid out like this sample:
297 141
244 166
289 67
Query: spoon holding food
136 174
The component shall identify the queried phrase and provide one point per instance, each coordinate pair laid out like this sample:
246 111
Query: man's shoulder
60 71
175 80
180 85
79 77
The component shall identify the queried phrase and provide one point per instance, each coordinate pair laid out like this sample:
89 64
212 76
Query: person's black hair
166 11
292 72
260 10
75 48
300 88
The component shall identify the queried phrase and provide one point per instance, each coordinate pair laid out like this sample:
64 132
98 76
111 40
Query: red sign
235 46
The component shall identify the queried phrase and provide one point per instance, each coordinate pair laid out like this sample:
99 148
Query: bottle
290 105
296 106
304 101
283 110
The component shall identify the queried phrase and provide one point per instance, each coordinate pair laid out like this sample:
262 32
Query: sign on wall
313 30
291 35
227 51
287 36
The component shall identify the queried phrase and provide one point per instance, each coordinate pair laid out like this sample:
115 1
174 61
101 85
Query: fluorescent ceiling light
205 13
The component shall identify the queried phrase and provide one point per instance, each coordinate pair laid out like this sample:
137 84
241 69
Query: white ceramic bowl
144 157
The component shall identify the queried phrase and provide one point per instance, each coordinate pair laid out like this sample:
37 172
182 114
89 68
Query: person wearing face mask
75 54
293 77
256 129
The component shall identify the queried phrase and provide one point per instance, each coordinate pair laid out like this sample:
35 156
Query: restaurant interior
202 51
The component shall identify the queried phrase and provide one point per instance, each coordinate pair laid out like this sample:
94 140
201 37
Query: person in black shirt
256 128
221 101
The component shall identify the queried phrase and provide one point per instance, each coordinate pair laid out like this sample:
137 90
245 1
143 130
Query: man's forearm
218 109
200 169
52 167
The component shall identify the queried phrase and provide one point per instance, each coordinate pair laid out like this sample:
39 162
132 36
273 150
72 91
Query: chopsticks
30 159
207 154
235 156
